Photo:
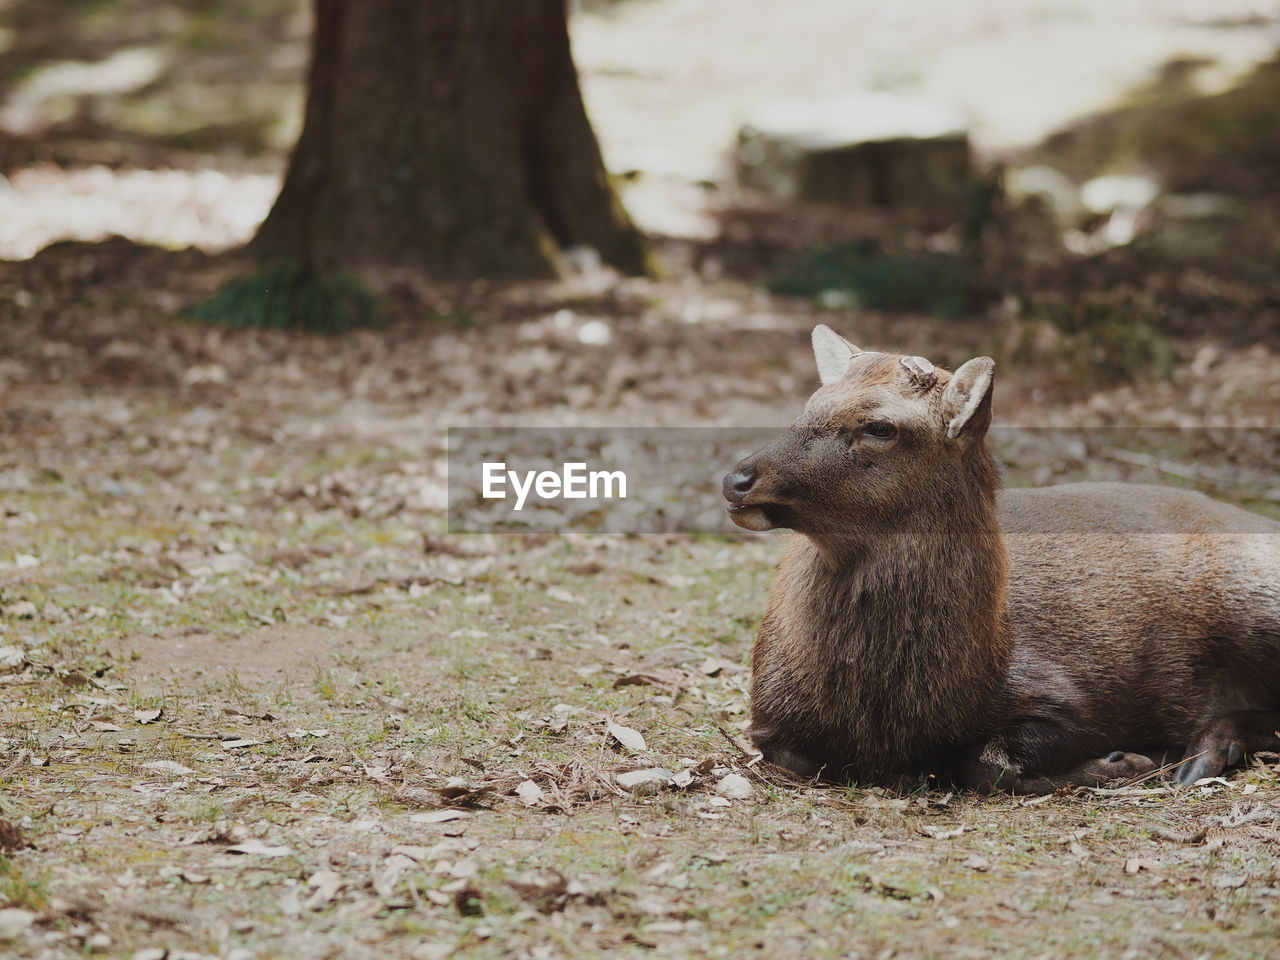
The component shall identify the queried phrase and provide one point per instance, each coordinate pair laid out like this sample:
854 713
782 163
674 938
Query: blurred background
1088 182
1083 189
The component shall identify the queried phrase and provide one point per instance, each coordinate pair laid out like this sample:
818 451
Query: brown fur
926 623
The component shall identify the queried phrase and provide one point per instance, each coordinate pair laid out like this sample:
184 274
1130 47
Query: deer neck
910 624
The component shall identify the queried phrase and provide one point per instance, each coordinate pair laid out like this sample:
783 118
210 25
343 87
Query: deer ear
833 352
966 402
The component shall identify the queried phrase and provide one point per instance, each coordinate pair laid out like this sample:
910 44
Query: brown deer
926 622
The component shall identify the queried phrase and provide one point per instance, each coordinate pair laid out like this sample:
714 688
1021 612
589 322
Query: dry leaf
634 779
258 848
384 883
325 885
631 739
168 766
975 862
735 787
439 816
146 716
530 793
105 727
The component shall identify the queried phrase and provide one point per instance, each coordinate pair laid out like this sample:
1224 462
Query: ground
246 666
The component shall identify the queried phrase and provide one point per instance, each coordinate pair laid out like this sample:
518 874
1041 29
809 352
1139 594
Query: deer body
925 622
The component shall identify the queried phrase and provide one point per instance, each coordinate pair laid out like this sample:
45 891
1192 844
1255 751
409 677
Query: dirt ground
247 672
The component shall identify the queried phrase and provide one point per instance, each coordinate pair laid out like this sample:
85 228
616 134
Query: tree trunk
446 136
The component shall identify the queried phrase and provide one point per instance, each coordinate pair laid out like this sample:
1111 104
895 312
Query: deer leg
1010 778
1042 755
1225 740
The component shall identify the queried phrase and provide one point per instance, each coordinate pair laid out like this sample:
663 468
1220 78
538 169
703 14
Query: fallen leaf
324 885
530 793
258 848
546 894
1136 865
11 836
975 862
384 883
146 716
1229 881
631 739
713 666
634 779
238 744
105 727
438 816
169 766
735 786
412 851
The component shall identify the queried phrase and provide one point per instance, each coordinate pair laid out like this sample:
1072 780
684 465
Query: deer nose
738 484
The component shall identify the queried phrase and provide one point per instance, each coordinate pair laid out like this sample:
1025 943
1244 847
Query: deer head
885 444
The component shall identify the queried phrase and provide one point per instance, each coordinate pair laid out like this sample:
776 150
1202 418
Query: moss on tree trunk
447 136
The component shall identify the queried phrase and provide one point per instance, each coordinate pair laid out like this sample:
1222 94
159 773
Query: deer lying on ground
925 622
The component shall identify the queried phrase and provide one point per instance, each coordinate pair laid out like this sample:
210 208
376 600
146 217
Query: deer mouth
758 516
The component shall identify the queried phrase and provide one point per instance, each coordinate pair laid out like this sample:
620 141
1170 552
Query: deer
924 622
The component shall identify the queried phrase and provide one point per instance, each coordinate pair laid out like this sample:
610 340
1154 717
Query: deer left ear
966 402
832 352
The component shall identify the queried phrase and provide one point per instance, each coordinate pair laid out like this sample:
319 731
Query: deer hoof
1117 765
1206 758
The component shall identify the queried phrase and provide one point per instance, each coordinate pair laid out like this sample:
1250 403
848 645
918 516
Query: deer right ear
832 352
966 402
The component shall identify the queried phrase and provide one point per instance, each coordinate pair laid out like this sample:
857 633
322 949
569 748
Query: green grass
285 295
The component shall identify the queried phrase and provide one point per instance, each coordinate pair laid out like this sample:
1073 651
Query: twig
1125 791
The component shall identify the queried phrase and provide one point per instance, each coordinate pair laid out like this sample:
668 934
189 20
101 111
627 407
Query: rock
1119 192
22 610
644 781
13 923
870 149
735 786
12 657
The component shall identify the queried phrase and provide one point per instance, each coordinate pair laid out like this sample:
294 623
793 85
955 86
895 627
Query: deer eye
880 430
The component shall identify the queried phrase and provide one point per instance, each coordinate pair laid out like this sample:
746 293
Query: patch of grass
287 295
1102 338
861 275
19 890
